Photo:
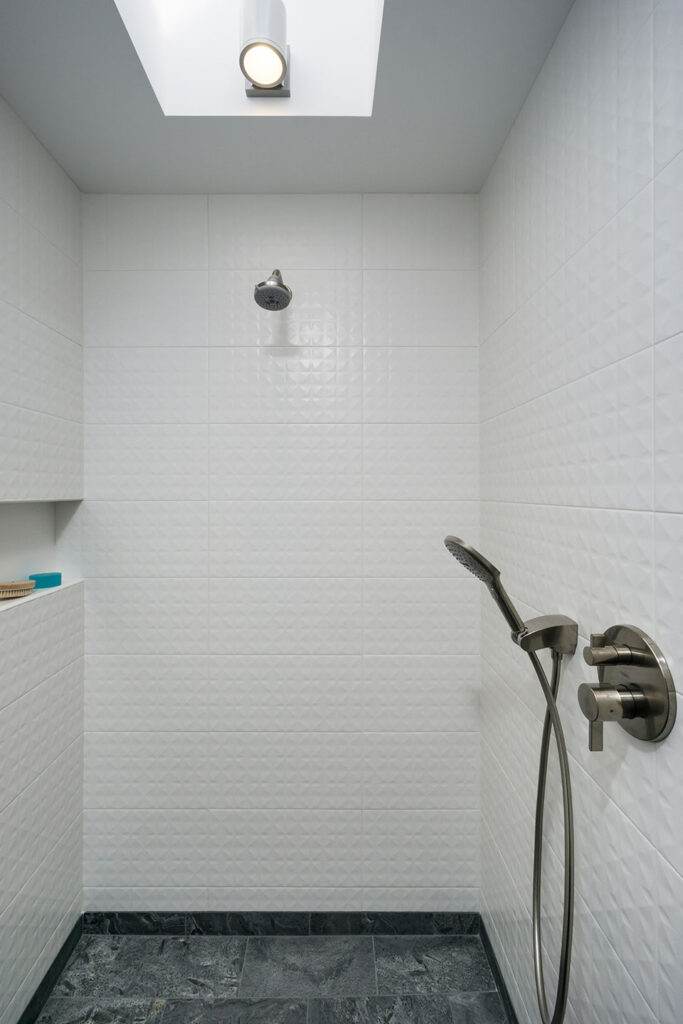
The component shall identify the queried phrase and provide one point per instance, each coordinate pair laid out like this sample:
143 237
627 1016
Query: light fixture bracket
281 91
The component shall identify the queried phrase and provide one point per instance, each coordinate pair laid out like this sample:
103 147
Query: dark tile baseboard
285 923
265 924
498 977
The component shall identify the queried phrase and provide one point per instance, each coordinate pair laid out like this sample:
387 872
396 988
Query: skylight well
190 51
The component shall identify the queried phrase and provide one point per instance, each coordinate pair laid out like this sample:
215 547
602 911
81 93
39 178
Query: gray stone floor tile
431 963
146 965
313 966
477 1008
235 1011
407 1009
72 1010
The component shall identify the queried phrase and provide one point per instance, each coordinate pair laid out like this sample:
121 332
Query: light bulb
263 65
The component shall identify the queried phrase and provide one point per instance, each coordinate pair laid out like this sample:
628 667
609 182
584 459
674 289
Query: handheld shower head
490 576
273 293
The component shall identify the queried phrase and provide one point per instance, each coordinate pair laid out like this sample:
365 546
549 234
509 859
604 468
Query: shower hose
553 724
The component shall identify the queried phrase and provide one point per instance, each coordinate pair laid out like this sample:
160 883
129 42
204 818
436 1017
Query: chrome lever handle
595 741
608 654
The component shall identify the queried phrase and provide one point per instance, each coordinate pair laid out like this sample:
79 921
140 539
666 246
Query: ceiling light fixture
264 57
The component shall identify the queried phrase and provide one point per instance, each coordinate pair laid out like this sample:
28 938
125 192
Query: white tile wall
41 786
581 467
282 668
41 637
41 435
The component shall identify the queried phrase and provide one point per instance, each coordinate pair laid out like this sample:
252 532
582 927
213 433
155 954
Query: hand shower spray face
480 567
559 634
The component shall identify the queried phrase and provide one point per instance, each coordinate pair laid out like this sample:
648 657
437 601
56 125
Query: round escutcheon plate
648 671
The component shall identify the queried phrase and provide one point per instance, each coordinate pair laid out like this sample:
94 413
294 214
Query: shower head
490 576
273 293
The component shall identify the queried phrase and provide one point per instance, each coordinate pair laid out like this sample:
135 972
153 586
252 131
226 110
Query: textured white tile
415 307
420 616
635 129
420 770
636 273
156 770
405 693
668 573
146 385
285 898
278 693
420 385
151 847
285 461
39 638
669 250
145 308
668 80
49 199
285 385
138 538
420 899
42 370
146 462
405 538
40 456
425 461
146 616
403 848
49 903
51 285
147 693
286 538
129 232
49 951
313 848
10 254
420 232
262 232
37 817
669 939
285 770
147 898
669 425
625 907
285 616
38 727
11 132
326 309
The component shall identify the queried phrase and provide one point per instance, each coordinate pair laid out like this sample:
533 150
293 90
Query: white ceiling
451 78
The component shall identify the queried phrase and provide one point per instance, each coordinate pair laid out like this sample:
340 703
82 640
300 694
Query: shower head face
485 571
473 561
273 293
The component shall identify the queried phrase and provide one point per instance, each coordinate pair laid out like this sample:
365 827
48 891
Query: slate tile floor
292 979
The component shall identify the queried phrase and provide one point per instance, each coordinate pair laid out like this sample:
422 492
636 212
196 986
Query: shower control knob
609 704
635 688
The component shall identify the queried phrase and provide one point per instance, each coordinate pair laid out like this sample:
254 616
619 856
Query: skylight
190 52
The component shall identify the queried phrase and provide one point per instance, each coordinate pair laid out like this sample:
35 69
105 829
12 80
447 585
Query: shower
559 634
273 293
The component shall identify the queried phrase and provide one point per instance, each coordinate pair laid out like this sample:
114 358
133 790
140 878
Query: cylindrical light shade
263 57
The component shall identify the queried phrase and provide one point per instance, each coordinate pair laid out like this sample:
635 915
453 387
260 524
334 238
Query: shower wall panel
41 384
582 494
282 660
41 786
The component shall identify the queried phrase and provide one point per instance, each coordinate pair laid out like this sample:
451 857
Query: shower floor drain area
276 979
